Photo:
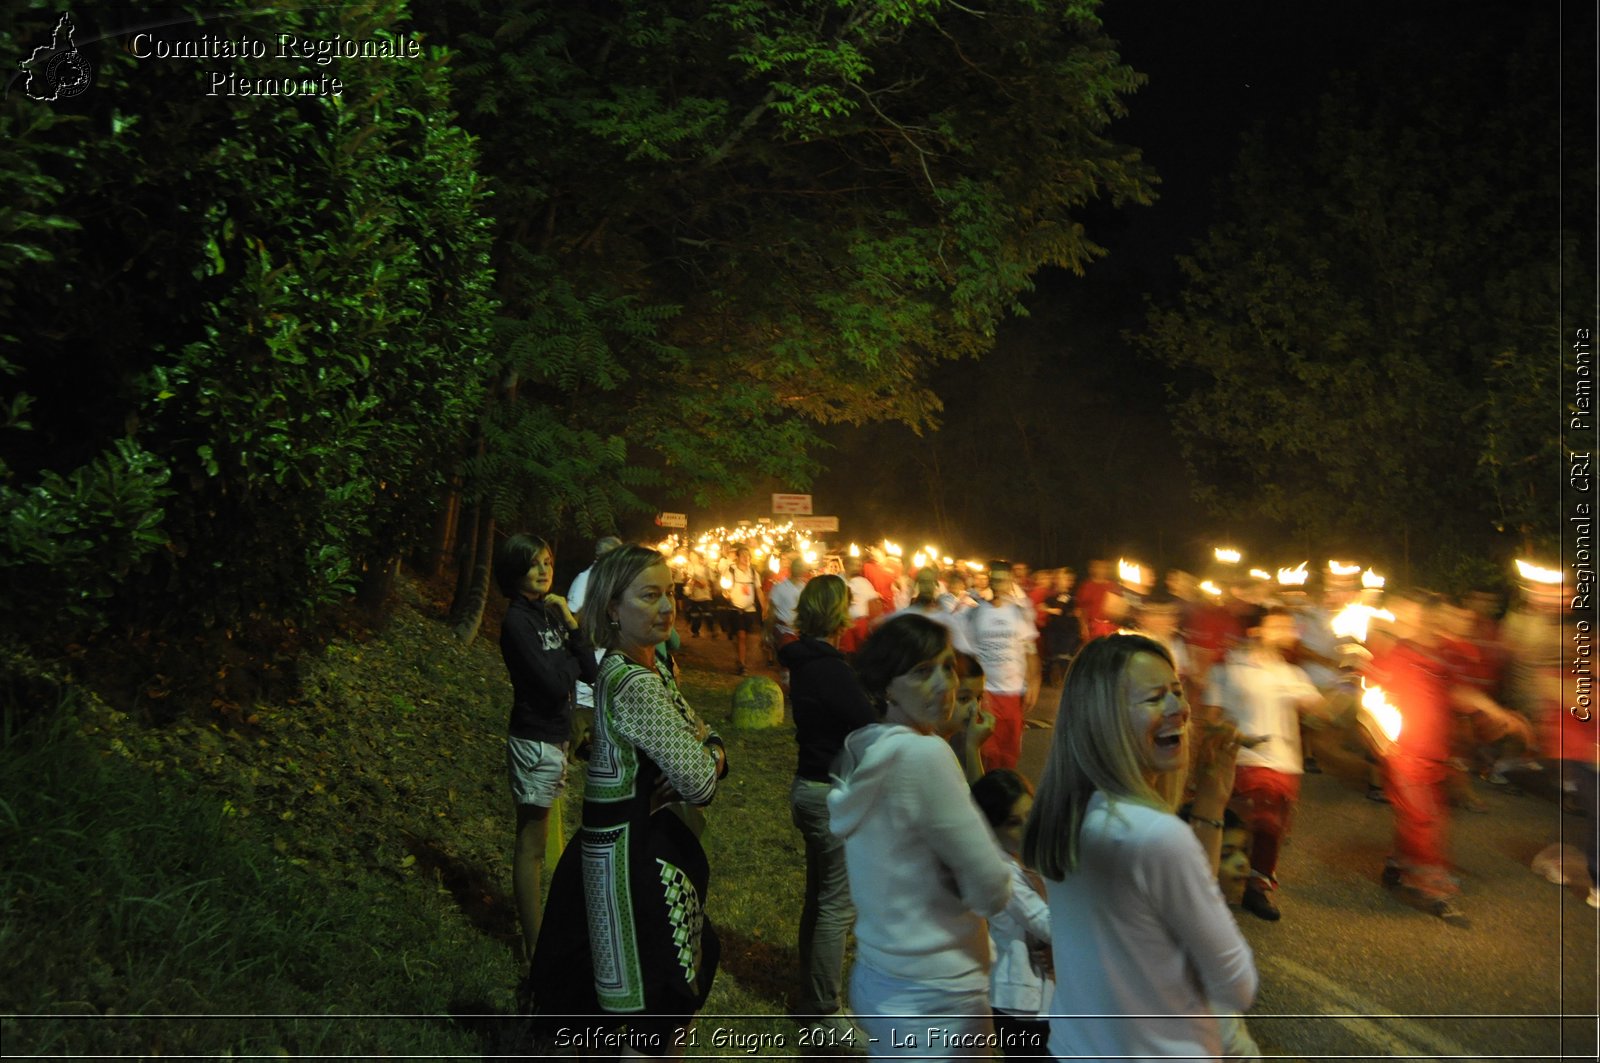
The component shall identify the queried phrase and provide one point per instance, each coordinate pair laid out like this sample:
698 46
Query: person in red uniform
1101 602
1420 684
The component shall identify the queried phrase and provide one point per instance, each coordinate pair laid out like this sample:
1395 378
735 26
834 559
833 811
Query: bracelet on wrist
1208 821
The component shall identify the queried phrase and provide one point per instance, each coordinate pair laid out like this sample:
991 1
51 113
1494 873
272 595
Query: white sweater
1015 984
1141 929
924 868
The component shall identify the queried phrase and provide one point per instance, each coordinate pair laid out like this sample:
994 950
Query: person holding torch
1422 687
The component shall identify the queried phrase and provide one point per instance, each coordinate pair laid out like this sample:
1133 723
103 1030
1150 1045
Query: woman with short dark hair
923 867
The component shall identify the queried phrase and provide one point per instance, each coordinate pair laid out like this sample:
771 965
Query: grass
299 881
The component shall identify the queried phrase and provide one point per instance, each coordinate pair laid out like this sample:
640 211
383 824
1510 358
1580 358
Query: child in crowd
974 723
1233 875
1021 975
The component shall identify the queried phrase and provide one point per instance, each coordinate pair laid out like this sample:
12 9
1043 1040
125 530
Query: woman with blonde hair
1146 951
828 704
631 938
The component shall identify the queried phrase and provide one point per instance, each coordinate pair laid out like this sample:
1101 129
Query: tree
271 311
727 221
1359 343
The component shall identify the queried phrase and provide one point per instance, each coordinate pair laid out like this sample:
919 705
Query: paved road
1350 972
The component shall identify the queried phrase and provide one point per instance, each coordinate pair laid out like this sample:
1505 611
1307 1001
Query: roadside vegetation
330 874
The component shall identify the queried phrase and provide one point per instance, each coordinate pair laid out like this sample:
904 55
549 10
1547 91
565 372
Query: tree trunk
470 618
444 533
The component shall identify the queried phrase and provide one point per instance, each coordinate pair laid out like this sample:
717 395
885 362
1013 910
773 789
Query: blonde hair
611 576
824 607
1094 748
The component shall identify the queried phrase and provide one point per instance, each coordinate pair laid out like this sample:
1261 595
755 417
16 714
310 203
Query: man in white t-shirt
1263 695
580 582
782 601
745 601
1005 640
697 595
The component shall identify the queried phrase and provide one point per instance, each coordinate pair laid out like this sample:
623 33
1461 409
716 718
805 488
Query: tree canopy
1366 345
724 222
247 327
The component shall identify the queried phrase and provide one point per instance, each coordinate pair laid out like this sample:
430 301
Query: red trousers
1004 747
1265 800
1416 793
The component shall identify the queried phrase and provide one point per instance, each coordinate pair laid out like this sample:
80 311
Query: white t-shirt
783 599
1260 695
862 595
742 595
578 590
956 625
1002 636
1140 930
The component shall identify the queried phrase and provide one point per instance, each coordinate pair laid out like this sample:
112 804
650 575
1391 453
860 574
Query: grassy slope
346 853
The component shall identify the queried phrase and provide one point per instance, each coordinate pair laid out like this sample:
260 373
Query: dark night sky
1216 68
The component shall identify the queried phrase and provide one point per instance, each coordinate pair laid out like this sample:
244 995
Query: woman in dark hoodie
828 704
544 653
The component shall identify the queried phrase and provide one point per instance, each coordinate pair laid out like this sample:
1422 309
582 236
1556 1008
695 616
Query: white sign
816 524
672 520
791 504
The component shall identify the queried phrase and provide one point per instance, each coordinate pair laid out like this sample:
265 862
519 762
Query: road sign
791 504
816 524
672 520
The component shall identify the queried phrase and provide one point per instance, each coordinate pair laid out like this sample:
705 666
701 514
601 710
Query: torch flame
1351 621
855 551
1372 581
1227 555
772 564
1375 702
1293 577
1537 574
1130 572
1340 569
727 583
1211 588
1260 573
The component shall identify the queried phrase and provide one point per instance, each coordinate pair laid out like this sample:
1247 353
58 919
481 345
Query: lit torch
1379 719
1336 568
1211 588
1370 580
1538 574
1351 621
1293 577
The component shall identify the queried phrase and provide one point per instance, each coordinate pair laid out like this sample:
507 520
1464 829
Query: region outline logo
57 71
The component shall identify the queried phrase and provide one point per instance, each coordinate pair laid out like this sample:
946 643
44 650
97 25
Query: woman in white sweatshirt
1146 952
923 867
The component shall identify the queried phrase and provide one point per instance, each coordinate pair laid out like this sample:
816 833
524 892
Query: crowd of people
1090 916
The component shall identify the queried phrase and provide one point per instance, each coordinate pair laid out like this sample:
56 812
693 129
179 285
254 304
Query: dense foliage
1367 344
722 222
250 326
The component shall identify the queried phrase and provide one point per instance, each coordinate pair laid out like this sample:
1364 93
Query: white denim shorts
538 770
